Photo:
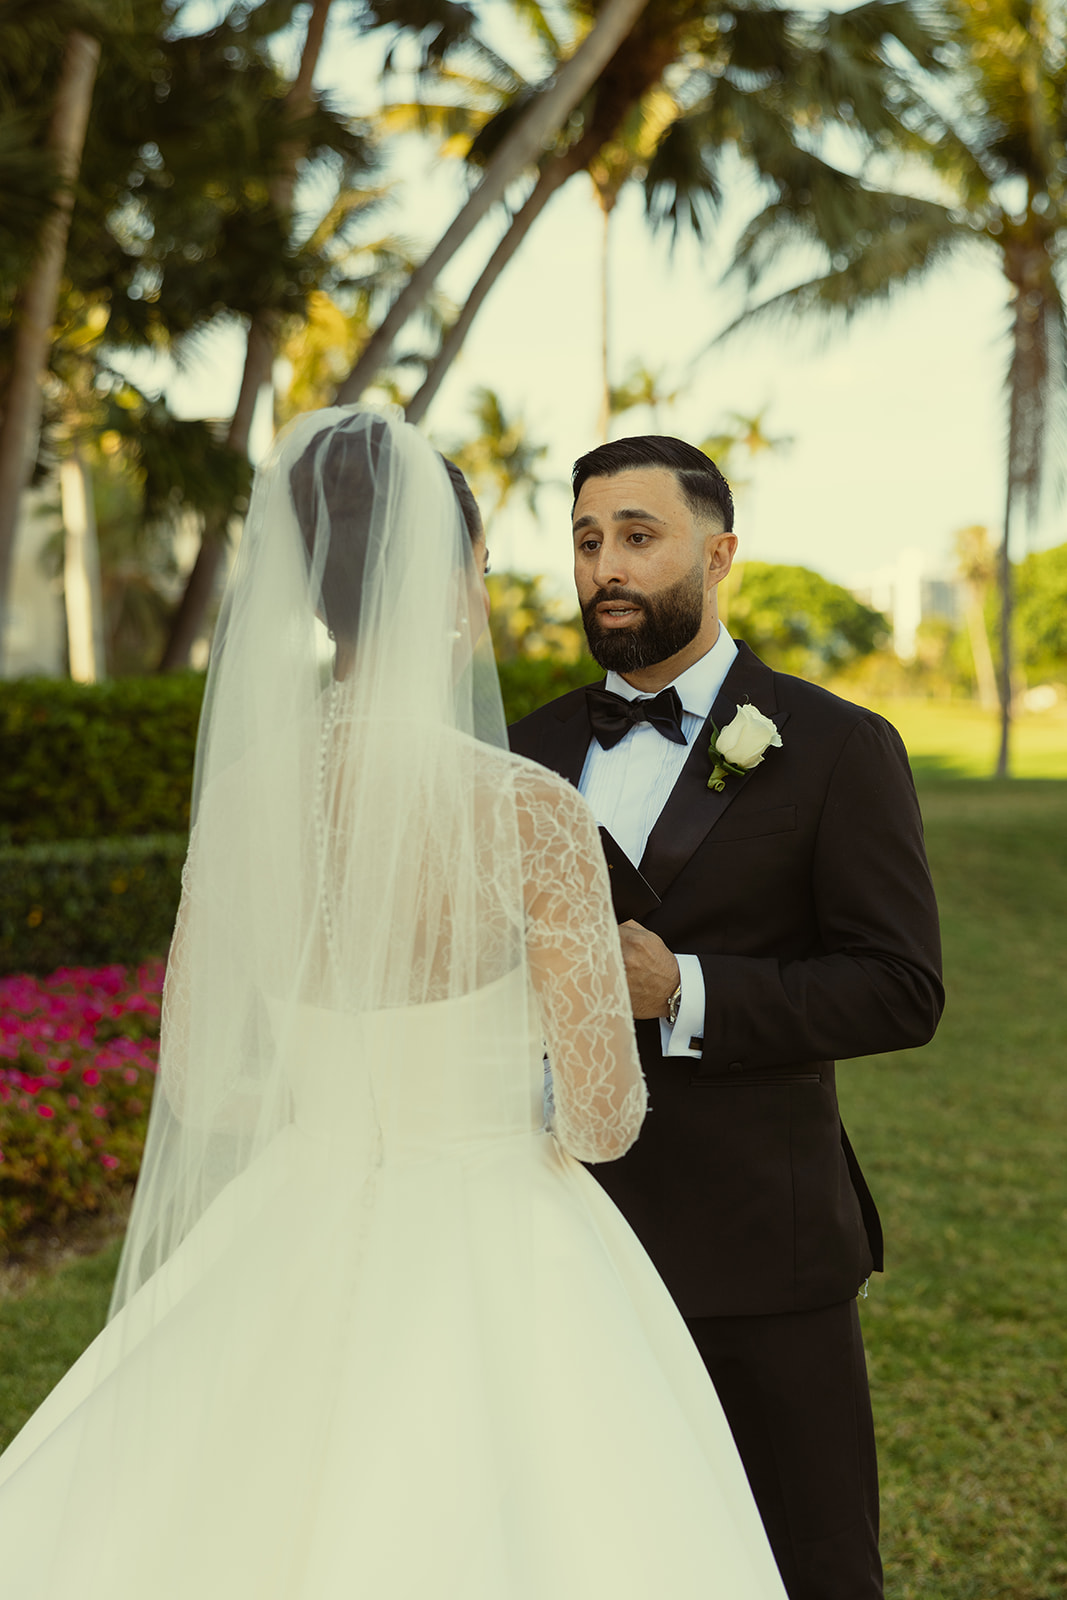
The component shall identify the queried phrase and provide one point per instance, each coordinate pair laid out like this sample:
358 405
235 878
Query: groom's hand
651 970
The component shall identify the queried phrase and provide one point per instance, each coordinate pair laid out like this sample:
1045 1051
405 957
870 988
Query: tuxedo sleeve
874 983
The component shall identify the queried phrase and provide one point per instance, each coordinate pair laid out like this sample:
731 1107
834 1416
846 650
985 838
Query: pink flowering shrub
78 1053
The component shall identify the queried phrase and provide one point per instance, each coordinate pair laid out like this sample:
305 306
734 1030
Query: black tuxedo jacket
804 890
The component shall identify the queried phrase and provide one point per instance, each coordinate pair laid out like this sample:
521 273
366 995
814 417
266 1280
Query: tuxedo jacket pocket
755 824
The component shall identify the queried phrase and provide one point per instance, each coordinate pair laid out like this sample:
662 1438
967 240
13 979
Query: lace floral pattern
577 971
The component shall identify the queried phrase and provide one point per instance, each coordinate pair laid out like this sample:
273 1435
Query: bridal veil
374 1331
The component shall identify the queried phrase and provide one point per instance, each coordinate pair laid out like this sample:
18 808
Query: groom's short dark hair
705 490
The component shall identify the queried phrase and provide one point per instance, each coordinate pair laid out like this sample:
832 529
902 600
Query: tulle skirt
498 1401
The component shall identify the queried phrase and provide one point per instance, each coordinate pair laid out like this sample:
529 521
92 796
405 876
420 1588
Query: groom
796 925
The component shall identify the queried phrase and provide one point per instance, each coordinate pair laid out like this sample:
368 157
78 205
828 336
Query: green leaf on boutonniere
721 769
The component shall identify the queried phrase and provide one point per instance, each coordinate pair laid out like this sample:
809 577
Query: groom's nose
609 567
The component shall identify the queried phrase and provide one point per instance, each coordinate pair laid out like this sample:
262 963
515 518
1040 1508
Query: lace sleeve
578 975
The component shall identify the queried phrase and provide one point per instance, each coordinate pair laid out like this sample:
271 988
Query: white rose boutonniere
741 745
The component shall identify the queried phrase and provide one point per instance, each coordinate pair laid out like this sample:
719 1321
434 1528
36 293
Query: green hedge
93 761
94 808
88 902
96 761
528 682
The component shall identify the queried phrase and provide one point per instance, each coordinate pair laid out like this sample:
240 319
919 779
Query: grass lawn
957 739
46 1320
965 1144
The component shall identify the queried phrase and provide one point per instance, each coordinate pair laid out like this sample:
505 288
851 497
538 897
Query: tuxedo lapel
692 809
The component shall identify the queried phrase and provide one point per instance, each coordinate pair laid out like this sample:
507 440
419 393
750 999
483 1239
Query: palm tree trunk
82 597
187 619
604 420
554 175
1006 685
21 423
984 670
259 361
523 146
1022 347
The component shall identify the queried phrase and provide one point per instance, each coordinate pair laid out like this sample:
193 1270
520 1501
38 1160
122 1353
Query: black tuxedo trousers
804 890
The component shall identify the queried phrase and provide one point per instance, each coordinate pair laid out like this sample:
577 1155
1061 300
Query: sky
897 424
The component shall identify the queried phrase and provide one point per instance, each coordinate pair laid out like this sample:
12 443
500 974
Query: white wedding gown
556 1439
380 1336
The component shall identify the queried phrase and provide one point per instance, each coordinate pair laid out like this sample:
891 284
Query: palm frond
878 267
682 185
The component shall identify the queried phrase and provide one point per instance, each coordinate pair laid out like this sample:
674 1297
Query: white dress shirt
628 786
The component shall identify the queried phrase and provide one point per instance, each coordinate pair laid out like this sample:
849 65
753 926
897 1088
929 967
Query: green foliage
81 761
528 682
525 621
86 902
539 643
501 460
800 622
1041 613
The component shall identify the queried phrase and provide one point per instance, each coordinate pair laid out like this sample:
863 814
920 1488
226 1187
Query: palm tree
501 460
691 83
36 313
996 145
643 387
539 121
743 431
260 343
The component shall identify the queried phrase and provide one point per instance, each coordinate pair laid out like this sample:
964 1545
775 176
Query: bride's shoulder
544 803
539 785
551 814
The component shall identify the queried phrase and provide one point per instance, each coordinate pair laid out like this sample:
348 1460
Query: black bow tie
612 716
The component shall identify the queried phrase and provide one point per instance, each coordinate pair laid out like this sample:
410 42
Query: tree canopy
802 623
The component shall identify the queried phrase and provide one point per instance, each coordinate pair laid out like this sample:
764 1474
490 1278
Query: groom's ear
719 551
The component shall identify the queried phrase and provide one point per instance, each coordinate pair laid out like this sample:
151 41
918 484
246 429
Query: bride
376 1332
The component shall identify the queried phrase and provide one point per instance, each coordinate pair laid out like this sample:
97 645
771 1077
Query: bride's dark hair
334 479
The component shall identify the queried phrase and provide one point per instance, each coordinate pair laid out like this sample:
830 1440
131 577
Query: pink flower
45 1111
90 1077
73 1102
130 1075
99 1111
110 1162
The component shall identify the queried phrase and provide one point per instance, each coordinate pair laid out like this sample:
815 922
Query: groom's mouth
616 613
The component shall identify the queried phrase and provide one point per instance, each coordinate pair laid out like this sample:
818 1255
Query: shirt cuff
690 1024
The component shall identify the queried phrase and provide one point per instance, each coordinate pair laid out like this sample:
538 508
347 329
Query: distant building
911 590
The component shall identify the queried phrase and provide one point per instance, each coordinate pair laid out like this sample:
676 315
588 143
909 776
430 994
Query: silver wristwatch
673 1005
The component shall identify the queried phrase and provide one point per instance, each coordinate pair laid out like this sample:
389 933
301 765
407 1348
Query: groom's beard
672 619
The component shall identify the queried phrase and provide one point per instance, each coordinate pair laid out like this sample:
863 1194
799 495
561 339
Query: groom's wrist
673 1003
683 1039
